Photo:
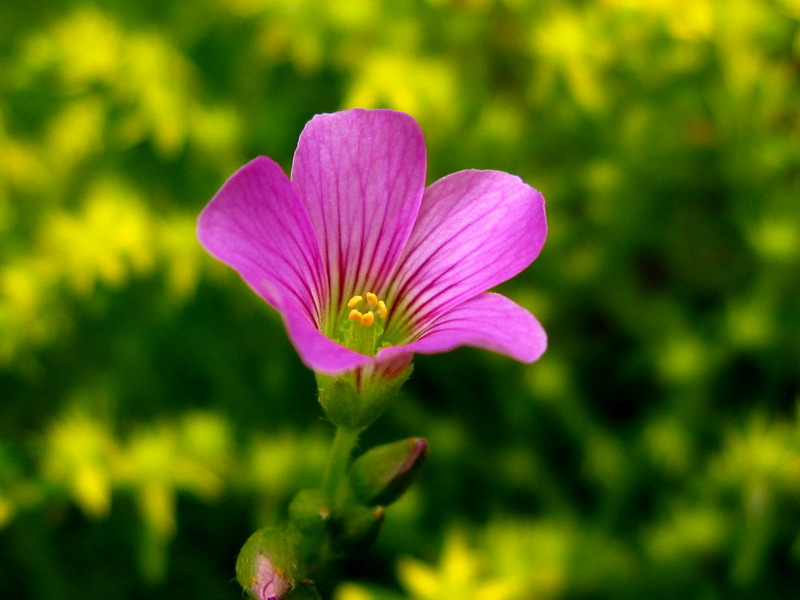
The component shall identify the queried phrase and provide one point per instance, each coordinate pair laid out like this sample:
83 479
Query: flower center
363 326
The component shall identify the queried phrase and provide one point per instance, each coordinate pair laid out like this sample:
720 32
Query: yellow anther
367 319
382 310
354 301
372 300
355 315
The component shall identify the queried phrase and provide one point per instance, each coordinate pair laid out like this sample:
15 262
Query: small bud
310 514
381 475
266 566
357 528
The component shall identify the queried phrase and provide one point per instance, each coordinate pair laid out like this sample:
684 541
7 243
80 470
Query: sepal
354 400
341 402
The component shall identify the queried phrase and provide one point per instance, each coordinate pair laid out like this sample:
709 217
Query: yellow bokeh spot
669 445
7 511
686 534
92 488
111 237
776 238
683 358
422 87
751 322
20 290
684 19
181 255
157 503
461 573
352 591
79 453
76 133
87 45
567 42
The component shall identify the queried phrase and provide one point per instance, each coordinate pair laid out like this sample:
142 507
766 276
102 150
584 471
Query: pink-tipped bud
266 565
381 475
269 583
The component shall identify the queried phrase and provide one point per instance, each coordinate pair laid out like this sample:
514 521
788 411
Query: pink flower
366 265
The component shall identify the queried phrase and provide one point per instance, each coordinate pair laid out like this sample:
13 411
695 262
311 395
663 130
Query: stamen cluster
363 327
374 307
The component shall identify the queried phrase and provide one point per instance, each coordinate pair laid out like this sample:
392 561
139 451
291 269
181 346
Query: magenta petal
318 352
361 174
475 230
257 225
489 321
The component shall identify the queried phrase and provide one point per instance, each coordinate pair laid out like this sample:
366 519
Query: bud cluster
275 562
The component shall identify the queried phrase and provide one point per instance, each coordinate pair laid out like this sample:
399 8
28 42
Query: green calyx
356 399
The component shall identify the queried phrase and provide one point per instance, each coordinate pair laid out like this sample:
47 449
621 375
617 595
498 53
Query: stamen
366 319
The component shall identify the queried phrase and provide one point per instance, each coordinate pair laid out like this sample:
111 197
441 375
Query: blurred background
153 413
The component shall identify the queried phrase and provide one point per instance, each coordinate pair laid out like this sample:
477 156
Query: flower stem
338 461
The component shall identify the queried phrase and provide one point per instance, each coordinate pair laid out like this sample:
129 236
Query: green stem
338 461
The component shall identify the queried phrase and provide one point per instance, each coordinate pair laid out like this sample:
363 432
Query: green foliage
153 413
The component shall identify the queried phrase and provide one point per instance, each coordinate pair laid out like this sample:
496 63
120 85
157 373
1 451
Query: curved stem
338 461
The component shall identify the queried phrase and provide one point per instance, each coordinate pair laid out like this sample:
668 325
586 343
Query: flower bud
381 475
357 528
310 512
266 567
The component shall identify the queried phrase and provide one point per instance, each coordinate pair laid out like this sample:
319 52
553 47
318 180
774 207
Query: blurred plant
509 560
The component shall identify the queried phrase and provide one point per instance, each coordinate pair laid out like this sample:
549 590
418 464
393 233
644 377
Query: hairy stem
338 461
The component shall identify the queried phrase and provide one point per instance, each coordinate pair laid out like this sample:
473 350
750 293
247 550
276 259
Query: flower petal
257 225
361 175
475 229
489 321
319 353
